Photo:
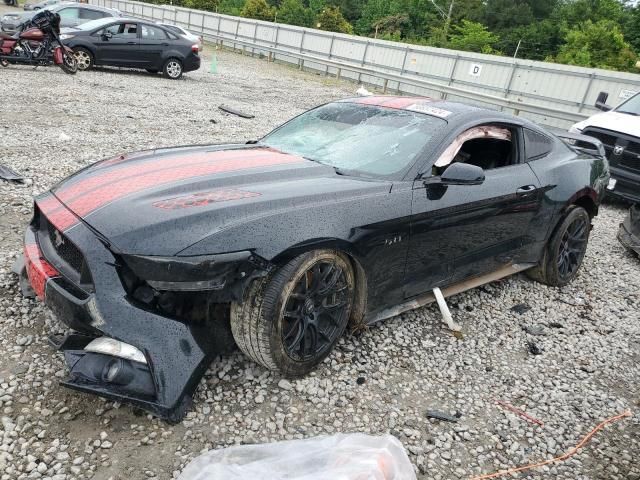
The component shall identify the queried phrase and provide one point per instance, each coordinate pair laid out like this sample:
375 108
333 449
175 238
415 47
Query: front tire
172 69
291 321
565 251
69 64
84 58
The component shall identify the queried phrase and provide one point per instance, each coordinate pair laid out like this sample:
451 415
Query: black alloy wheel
565 250
291 320
315 311
572 247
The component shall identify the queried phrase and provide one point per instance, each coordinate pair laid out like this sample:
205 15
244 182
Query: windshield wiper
343 172
635 114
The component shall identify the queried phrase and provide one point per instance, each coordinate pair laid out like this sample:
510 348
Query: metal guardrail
517 107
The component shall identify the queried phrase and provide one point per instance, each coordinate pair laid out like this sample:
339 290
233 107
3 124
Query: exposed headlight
66 36
115 348
190 274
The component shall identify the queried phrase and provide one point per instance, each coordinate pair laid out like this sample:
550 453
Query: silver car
71 15
41 5
183 33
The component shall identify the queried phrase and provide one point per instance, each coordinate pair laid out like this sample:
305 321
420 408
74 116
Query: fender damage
132 342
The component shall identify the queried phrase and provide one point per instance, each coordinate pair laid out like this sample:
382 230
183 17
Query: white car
183 32
619 130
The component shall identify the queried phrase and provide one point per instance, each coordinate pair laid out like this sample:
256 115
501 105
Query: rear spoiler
583 143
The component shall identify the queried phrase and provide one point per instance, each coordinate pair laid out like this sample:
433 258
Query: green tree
231 7
294 12
468 10
316 6
392 26
573 12
421 14
600 45
631 27
209 5
473 37
331 20
373 11
542 9
504 14
537 40
258 9
351 9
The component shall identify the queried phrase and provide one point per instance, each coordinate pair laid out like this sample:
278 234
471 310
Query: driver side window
488 147
123 30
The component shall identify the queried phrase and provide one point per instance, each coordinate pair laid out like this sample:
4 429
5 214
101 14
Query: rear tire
289 322
172 69
84 58
565 250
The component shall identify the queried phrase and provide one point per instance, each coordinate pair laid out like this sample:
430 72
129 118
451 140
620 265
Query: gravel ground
383 380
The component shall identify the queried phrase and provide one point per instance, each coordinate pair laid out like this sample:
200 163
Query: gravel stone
52 124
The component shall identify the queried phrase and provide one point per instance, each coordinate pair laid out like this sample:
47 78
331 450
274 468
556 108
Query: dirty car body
146 251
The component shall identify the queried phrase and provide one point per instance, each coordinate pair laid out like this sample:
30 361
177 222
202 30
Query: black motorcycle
38 43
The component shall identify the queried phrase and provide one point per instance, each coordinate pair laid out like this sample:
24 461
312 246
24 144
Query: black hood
163 202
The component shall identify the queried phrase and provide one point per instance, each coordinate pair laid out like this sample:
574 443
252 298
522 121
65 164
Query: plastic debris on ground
233 111
437 415
338 457
363 92
10 175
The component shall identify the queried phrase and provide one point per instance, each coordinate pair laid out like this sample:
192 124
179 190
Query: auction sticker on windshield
424 108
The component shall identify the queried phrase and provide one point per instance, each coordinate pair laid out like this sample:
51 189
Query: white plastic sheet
338 457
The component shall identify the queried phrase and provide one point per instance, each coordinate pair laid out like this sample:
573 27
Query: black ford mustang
348 214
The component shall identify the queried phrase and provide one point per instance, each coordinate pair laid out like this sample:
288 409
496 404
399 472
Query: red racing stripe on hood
99 197
57 214
99 179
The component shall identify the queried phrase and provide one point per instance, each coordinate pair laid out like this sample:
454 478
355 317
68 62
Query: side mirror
601 102
107 35
462 174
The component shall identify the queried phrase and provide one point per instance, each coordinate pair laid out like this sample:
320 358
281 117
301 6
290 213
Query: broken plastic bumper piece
117 350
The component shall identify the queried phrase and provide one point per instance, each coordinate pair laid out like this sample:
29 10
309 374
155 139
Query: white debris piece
363 92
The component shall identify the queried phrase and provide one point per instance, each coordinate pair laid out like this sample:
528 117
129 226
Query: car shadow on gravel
133 72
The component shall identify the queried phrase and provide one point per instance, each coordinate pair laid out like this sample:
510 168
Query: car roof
452 112
137 20
61 5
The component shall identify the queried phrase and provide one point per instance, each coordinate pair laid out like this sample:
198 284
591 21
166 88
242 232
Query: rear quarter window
537 145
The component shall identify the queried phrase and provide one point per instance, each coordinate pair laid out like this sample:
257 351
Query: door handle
131 43
165 44
526 190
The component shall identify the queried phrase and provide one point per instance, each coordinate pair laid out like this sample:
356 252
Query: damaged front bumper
629 232
77 276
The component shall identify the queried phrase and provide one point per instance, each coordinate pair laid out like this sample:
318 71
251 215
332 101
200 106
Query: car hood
614 121
161 202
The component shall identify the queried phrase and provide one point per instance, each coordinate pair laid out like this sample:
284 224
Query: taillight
194 48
